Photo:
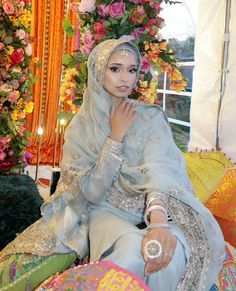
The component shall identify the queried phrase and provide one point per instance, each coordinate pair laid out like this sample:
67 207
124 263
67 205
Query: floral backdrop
104 19
15 81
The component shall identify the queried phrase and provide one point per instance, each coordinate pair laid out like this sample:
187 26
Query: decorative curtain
49 43
213 102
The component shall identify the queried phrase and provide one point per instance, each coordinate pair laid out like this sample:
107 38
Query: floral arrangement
15 81
138 19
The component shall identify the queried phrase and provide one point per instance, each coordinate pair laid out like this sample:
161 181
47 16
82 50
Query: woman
121 167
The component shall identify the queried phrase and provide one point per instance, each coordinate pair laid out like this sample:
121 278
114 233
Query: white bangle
156 225
150 200
151 208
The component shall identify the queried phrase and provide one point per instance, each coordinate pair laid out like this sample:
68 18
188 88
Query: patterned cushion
26 271
227 278
105 275
222 204
98 276
205 169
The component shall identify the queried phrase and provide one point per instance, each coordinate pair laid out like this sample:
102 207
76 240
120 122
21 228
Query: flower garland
138 19
15 81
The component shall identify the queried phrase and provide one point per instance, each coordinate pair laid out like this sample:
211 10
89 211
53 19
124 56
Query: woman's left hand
168 244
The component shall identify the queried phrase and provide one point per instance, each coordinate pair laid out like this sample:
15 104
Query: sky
180 19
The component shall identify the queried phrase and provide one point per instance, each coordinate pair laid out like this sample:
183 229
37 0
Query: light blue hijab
152 163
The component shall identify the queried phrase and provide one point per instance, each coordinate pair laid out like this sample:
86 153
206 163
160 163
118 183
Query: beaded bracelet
151 208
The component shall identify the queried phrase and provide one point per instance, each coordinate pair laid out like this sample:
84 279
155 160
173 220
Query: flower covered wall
15 81
138 20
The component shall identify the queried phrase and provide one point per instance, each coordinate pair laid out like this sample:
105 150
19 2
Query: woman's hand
121 119
168 243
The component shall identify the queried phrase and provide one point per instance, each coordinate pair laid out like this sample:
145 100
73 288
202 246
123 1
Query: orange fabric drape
49 44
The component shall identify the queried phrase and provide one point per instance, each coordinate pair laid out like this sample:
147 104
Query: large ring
153 249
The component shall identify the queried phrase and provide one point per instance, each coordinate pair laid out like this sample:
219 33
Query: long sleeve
96 182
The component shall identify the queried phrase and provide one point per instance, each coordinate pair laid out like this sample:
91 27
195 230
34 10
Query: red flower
16 56
98 28
99 31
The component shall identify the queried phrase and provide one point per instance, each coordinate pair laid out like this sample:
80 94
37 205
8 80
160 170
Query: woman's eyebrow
120 64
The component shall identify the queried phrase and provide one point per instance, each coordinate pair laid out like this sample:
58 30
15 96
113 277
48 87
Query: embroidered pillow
103 275
222 204
205 169
26 271
226 280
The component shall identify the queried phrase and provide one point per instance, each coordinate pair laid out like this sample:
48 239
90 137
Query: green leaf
67 27
83 69
124 19
69 31
148 76
8 40
66 59
106 24
114 21
33 80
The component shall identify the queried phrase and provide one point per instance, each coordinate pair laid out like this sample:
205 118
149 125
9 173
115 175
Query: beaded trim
125 202
196 269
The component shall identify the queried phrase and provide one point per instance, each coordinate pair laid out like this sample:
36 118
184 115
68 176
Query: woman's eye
133 70
114 69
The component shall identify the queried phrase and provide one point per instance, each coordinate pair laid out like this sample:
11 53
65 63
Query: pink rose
137 32
2 156
145 64
117 9
140 10
1 46
10 153
150 22
87 6
12 97
3 74
103 10
155 5
88 41
20 33
3 142
8 8
26 157
135 1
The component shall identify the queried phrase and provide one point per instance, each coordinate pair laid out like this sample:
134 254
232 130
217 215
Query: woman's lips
123 88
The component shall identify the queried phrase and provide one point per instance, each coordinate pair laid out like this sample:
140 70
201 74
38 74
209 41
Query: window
179 30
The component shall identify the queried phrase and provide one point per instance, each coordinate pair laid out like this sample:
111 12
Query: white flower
20 33
6 88
87 6
28 50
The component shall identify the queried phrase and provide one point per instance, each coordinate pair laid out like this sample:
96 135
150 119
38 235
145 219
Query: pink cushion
103 275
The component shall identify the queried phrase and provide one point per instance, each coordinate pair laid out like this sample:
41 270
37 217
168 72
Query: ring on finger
168 254
153 249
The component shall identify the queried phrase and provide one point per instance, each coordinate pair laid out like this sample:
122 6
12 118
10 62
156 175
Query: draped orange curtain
49 44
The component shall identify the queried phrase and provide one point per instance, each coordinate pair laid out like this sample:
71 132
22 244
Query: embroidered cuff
112 149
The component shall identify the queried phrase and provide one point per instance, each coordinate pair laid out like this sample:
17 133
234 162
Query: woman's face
120 74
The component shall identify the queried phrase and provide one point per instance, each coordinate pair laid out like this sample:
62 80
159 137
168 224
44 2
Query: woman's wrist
116 137
158 216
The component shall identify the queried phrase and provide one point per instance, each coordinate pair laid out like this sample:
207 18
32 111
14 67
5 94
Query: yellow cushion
205 170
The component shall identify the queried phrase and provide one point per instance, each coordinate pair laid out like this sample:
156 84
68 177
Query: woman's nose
124 77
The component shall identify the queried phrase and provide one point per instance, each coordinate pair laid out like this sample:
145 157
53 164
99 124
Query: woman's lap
125 250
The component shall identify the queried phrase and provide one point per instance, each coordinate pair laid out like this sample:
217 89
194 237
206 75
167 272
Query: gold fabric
222 204
48 45
205 170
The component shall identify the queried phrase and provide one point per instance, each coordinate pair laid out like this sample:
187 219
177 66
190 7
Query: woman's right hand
121 118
